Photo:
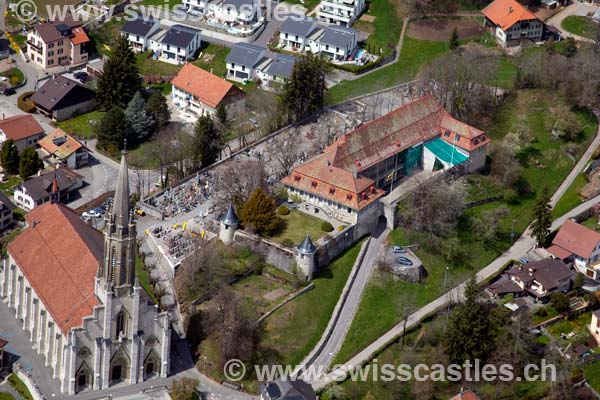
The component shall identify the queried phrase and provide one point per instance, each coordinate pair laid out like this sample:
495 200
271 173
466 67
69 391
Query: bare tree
286 151
235 182
200 273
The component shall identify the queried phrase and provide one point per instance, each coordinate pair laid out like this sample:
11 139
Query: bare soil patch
439 29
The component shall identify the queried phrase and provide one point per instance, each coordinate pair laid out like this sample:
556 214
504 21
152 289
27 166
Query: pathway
523 244
574 9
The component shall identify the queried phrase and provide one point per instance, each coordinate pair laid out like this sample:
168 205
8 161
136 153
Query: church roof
59 255
121 203
307 246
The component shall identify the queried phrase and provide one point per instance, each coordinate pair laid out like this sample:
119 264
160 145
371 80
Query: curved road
573 9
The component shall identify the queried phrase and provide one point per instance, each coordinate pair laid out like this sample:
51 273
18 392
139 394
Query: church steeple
118 269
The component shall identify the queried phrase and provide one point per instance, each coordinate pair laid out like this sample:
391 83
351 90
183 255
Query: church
75 292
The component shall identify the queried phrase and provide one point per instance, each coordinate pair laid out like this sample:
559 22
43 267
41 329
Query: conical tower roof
230 218
307 246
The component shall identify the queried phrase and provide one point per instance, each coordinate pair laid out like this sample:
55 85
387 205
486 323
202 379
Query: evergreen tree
157 107
471 330
29 163
10 157
259 213
453 42
222 113
207 141
139 123
303 94
120 80
543 219
111 131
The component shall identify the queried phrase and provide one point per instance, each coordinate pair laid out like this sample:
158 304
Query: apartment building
340 12
58 43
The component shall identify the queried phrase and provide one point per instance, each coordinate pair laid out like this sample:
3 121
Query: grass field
293 330
415 53
15 76
82 126
296 225
592 375
19 386
581 26
6 396
547 166
217 65
385 29
106 34
43 5
571 198
144 279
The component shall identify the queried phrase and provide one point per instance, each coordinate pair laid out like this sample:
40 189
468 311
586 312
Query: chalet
512 24
577 244
24 130
541 278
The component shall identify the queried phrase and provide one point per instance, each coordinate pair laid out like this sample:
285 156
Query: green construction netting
446 152
412 159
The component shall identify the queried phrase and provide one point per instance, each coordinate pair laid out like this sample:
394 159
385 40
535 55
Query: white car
94 214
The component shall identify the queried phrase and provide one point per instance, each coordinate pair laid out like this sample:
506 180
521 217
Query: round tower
305 258
229 224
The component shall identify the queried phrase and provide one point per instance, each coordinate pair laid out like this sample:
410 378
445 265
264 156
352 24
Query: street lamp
512 231
446 275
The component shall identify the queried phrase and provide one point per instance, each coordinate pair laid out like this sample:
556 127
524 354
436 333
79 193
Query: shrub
283 210
287 242
25 104
341 228
326 227
296 199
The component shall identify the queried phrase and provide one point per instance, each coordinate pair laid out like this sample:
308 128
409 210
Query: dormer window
332 190
313 184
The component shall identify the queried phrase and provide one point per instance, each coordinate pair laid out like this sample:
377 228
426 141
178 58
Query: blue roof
282 66
307 246
446 152
245 54
338 36
298 25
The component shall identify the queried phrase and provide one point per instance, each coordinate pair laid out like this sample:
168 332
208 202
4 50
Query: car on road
94 214
9 91
399 249
80 76
523 260
404 261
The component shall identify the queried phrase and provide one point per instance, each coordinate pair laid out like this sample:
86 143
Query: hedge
326 227
283 210
25 104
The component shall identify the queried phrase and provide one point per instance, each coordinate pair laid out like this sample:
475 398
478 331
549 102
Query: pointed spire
230 218
307 246
121 207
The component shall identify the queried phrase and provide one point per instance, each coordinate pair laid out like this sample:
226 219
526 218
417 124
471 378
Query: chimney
510 9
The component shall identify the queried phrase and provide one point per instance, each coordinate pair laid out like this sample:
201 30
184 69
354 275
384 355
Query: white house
61 148
295 32
577 244
242 61
24 130
595 326
337 42
512 24
340 12
275 72
37 190
226 13
179 44
139 31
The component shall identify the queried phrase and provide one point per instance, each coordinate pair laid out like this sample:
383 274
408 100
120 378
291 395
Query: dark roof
230 218
282 65
39 187
549 272
48 32
284 389
245 54
338 36
307 246
4 48
297 25
5 202
179 36
59 92
139 26
504 285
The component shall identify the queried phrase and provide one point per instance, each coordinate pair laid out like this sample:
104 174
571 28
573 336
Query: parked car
9 91
399 249
94 214
80 76
523 260
404 261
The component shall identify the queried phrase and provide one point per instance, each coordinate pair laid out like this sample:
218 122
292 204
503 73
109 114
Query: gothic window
121 324
113 264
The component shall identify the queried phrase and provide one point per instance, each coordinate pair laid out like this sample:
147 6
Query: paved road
520 247
573 9
324 357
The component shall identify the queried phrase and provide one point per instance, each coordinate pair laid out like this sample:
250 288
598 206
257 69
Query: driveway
574 9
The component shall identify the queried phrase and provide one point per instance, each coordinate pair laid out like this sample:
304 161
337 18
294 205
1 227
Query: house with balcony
60 148
295 32
542 278
276 71
226 13
58 43
179 44
340 12
6 216
243 60
199 92
578 245
337 42
512 24
139 31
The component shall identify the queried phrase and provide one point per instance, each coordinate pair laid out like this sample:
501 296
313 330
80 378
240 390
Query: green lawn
11 182
592 223
217 65
506 74
571 198
172 3
293 330
591 373
144 279
581 26
415 53
296 225
106 35
19 386
15 76
148 66
6 396
547 166
386 27
42 5
82 126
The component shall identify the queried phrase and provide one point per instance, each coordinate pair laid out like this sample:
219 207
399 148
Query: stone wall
274 253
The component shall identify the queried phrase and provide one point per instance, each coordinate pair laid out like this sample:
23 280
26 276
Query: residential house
295 31
340 12
347 180
243 60
61 148
6 212
139 31
275 72
58 43
577 244
179 44
512 24
287 389
61 98
200 92
226 14
37 190
337 43
594 326
541 278
24 130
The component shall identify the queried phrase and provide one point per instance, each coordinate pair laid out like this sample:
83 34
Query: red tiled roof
64 150
559 252
20 127
209 88
506 13
373 142
80 36
576 239
466 395
59 255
